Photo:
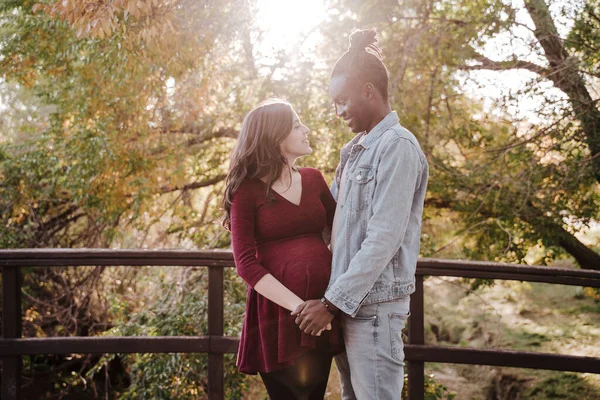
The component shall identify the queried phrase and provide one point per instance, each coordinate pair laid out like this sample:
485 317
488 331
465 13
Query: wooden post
416 335
215 328
11 328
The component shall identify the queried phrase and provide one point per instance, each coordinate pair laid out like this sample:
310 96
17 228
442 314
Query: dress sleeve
327 200
243 217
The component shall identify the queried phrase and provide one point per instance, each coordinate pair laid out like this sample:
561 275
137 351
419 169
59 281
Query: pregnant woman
277 214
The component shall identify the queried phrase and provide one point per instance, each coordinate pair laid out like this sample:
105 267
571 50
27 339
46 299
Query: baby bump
301 264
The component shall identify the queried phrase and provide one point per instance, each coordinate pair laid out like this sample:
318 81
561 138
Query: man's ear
369 90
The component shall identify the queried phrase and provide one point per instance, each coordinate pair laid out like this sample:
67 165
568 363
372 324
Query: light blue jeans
373 365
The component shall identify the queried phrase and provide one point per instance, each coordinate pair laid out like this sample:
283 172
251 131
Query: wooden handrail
224 258
13 347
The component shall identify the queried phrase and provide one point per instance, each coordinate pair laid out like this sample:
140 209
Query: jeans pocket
363 318
397 323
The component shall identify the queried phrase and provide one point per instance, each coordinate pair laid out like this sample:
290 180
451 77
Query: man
380 187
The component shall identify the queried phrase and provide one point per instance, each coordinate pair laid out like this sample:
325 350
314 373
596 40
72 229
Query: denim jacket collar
379 129
369 139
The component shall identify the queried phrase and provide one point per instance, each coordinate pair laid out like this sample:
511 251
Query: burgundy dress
285 240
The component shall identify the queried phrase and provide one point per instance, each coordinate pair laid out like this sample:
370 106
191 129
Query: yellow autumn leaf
131 6
106 26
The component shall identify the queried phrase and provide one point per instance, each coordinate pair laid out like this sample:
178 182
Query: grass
513 316
563 386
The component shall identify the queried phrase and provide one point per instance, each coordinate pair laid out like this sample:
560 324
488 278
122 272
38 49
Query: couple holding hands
309 300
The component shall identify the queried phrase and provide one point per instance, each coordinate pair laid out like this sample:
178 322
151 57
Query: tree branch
488 64
221 133
591 12
201 138
458 22
546 32
586 257
194 185
408 52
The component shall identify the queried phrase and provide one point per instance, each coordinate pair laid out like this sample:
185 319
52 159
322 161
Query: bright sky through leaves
286 23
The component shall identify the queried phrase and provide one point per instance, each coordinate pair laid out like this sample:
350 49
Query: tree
562 68
112 146
118 150
507 184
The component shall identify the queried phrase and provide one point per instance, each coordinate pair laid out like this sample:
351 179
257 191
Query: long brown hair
257 154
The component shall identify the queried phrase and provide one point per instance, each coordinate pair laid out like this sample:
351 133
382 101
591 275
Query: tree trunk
585 257
565 75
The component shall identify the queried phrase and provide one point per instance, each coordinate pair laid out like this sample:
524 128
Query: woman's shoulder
311 172
248 188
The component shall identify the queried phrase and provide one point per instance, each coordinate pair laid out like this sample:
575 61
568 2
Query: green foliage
565 386
111 146
107 167
179 310
433 390
584 37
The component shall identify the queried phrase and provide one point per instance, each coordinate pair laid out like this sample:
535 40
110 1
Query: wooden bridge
13 346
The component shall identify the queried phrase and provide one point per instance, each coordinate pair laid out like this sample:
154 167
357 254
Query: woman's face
296 143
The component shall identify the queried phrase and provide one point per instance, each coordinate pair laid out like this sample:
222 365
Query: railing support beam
416 335
215 328
11 329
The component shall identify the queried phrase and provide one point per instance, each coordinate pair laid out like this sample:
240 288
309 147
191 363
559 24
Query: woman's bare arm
275 291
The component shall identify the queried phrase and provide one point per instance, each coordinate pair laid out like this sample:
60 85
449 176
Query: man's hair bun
361 39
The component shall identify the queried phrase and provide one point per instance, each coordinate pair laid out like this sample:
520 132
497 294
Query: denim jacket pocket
362 186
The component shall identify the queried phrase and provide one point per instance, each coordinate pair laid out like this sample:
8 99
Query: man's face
350 102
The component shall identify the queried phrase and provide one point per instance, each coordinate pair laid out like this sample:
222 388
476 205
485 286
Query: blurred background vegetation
118 118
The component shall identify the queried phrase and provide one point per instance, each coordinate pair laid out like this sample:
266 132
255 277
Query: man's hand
312 317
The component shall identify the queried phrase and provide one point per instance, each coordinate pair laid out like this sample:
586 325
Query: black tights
305 380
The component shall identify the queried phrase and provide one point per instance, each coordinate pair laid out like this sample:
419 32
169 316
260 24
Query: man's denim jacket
376 243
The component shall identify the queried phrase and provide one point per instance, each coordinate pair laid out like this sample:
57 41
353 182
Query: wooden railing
13 346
